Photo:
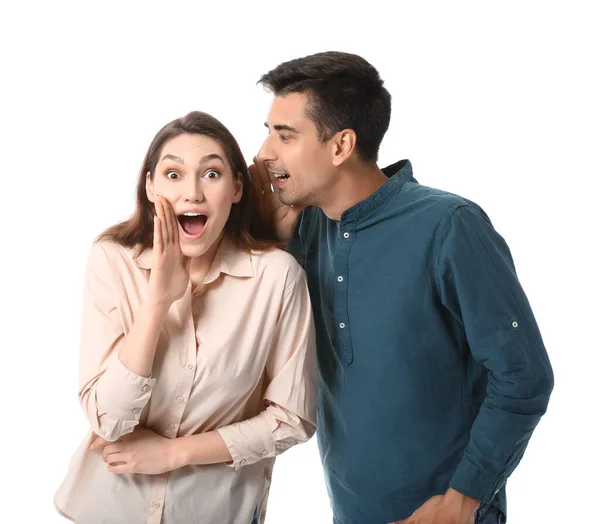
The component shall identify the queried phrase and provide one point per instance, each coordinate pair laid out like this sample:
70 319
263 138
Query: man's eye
284 138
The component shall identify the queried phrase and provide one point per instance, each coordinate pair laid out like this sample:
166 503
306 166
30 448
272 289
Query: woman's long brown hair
247 225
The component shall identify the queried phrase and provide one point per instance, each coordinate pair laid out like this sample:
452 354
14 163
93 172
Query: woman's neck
200 266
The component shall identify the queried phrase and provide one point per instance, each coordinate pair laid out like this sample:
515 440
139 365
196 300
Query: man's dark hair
343 90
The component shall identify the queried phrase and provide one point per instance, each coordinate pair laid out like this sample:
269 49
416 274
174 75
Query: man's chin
288 200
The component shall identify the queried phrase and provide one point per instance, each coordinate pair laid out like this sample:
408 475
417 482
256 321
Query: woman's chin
193 251
206 243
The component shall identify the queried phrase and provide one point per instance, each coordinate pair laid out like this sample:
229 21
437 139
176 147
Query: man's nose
266 152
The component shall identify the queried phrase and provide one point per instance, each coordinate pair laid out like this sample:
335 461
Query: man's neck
356 183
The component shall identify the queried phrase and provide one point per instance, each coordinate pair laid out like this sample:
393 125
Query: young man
433 373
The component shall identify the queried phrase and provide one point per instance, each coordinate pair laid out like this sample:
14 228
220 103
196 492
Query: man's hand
451 508
283 217
142 451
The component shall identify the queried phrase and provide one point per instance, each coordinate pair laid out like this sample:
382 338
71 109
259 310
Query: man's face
300 164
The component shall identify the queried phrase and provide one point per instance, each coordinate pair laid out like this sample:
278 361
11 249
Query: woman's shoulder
110 248
108 253
275 261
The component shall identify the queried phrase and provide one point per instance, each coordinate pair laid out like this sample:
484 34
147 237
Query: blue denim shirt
433 373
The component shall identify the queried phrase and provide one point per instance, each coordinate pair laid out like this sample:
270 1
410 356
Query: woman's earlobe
238 189
149 188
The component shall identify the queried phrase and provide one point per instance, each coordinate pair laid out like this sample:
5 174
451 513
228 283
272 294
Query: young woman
197 359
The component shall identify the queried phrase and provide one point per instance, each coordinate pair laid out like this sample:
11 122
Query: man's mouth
279 179
192 224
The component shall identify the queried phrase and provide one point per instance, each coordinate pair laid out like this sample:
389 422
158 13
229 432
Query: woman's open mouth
192 225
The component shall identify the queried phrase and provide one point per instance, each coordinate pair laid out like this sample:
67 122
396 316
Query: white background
499 103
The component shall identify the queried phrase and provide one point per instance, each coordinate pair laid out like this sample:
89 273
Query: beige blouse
236 356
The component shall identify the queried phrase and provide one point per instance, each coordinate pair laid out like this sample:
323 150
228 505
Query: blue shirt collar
398 174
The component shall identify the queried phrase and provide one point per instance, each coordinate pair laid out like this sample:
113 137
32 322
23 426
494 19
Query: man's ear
343 145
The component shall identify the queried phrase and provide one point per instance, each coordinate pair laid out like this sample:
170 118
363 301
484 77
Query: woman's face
194 176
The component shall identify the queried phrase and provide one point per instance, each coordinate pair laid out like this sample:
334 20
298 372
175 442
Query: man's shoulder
434 198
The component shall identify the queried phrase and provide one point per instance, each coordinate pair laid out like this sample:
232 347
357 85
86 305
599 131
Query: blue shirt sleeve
478 285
